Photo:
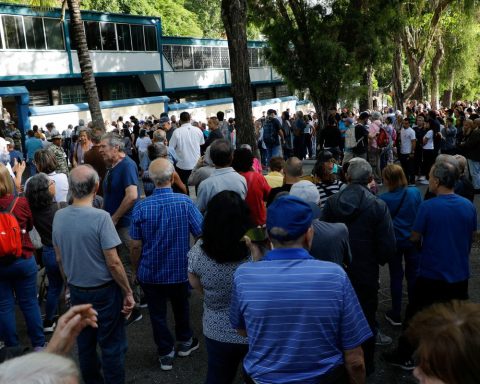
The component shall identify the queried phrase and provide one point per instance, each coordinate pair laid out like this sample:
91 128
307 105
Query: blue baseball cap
291 215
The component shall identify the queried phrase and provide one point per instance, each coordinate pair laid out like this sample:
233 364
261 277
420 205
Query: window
54 33
253 57
177 57
109 39
262 62
72 94
138 41
198 57
216 58
124 39
282 90
124 90
150 38
225 58
92 30
34 32
187 57
167 53
13 30
207 57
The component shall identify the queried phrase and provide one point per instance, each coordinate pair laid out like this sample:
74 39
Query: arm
195 282
58 257
118 273
131 195
135 253
178 182
385 236
355 365
414 145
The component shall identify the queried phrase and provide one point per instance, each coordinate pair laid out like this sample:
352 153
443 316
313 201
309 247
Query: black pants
307 138
299 146
425 293
223 361
428 160
184 175
408 165
368 299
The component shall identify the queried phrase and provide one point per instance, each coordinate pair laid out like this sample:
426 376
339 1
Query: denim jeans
157 296
395 267
273 152
55 281
110 336
31 168
20 279
223 361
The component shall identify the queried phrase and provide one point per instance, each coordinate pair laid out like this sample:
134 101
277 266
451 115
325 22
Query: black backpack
270 134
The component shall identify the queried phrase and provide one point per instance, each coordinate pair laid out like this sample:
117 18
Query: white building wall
202 79
33 63
121 61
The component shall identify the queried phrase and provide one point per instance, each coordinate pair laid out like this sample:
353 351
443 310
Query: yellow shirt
274 179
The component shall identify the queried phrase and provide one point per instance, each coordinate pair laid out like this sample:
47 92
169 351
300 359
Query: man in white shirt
408 141
186 142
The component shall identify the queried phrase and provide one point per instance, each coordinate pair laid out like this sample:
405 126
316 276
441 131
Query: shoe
166 362
392 319
382 339
421 178
423 182
49 326
184 350
134 317
393 358
143 303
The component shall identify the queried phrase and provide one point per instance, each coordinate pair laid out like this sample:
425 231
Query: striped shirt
164 222
327 190
300 315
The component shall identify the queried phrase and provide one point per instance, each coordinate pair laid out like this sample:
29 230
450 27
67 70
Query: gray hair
159 135
359 171
39 368
462 163
448 159
293 167
306 191
446 173
114 140
157 150
161 175
83 183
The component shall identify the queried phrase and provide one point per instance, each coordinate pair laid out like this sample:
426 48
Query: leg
184 175
178 294
156 296
223 361
26 292
411 258
124 254
8 324
55 282
395 267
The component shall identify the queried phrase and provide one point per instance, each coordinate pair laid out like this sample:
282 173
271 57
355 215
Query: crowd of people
287 263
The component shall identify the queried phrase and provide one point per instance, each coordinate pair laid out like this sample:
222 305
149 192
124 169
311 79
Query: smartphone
257 235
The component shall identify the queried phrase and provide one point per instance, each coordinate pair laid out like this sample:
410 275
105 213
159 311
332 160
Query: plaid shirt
164 222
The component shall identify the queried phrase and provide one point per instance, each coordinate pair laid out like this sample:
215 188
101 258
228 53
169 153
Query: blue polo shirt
117 179
300 315
446 223
164 222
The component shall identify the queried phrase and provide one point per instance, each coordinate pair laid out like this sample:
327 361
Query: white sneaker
421 178
424 182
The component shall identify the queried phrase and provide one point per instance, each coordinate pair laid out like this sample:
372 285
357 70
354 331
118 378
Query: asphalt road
142 366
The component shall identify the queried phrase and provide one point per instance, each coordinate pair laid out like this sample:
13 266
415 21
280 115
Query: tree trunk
85 62
448 93
234 16
370 86
397 75
435 74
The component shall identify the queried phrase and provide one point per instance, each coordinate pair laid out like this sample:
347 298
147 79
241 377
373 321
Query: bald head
161 172
293 167
83 181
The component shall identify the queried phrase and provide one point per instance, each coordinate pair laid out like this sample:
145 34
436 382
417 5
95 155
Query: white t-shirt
61 186
186 142
429 137
143 143
406 135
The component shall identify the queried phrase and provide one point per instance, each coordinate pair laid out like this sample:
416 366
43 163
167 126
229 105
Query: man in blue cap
301 315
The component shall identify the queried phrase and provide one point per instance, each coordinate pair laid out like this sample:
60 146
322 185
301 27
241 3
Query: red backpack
383 139
10 233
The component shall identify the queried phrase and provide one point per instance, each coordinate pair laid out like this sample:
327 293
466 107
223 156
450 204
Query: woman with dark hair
212 263
325 173
402 202
18 276
127 139
41 196
257 187
45 162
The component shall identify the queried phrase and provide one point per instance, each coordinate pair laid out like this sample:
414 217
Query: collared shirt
274 179
164 222
300 315
186 141
223 179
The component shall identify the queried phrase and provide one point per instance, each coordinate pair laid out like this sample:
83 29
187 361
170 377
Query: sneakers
421 178
166 362
135 316
393 358
392 319
49 326
382 339
184 349
423 182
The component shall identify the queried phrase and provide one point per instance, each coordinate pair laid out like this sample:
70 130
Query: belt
89 289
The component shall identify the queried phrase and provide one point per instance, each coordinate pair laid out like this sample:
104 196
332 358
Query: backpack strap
395 213
11 206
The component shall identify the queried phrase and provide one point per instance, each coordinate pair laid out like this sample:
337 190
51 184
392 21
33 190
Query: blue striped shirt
164 222
300 315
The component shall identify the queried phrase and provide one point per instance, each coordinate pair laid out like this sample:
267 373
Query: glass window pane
197 57
177 60
92 30
225 58
54 33
13 30
253 56
137 37
187 57
216 58
123 36
150 38
34 32
207 57
167 53
109 41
